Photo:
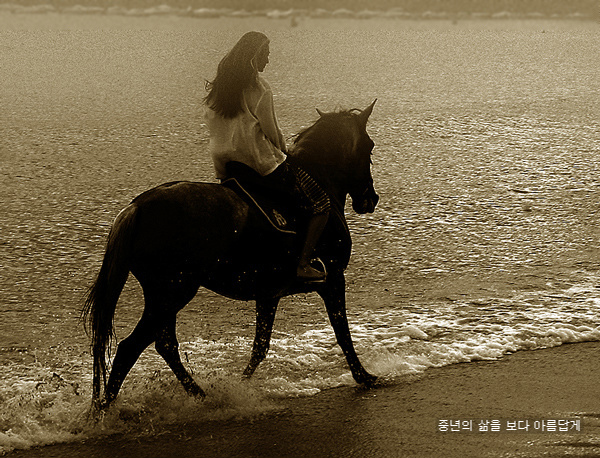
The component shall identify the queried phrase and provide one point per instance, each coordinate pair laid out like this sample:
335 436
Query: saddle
277 206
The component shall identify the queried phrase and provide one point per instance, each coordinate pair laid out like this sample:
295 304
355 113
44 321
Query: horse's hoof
198 393
193 389
249 371
97 411
369 381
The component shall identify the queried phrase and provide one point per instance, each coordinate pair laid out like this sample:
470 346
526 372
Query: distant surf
291 14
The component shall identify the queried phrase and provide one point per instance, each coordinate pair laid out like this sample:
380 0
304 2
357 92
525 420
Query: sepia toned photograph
299 228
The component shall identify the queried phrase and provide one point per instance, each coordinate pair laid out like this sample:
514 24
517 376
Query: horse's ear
320 112
364 115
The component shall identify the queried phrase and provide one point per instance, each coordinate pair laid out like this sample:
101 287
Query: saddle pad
281 218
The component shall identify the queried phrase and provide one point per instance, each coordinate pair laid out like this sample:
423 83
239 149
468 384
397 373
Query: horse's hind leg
265 316
128 352
168 347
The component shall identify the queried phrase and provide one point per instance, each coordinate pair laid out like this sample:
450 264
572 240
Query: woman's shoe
308 274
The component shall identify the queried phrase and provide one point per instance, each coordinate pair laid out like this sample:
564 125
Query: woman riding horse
180 236
243 128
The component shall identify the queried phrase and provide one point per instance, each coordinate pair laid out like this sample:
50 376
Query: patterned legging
295 180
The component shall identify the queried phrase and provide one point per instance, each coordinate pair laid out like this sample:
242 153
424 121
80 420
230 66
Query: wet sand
401 419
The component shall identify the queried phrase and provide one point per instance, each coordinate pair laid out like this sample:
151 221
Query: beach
473 290
401 418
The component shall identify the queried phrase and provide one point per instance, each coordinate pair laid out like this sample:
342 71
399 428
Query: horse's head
337 150
364 197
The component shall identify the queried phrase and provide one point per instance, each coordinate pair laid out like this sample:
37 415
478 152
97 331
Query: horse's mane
331 129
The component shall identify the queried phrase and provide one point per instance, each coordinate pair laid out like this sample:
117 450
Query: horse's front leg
265 316
334 296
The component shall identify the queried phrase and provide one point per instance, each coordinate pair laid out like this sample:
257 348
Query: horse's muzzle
366 201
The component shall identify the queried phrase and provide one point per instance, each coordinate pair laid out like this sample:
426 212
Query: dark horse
183 235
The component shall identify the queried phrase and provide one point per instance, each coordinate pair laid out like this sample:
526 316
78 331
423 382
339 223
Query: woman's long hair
235 73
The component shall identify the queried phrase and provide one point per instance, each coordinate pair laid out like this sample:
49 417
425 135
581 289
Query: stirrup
319 274
319 265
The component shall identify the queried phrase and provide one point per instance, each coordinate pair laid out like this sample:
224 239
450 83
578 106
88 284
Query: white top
252 137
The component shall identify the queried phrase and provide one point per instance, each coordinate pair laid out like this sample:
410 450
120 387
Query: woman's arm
265 113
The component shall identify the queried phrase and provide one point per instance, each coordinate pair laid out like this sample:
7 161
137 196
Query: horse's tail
99 310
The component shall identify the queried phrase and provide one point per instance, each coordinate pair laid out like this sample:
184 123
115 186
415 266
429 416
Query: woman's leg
312 200
317 204
313 232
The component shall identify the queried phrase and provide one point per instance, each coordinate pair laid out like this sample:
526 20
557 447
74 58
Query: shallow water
485 240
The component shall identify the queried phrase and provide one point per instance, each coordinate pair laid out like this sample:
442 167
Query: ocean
485 240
